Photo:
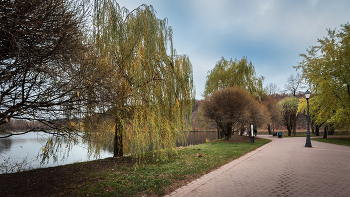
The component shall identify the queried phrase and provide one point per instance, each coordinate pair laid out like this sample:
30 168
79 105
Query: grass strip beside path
159 178
336 140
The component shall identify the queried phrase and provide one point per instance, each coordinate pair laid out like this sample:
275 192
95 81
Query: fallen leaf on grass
198 155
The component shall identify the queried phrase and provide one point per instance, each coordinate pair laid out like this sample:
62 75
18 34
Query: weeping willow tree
229 73
289 108
237 73
146 100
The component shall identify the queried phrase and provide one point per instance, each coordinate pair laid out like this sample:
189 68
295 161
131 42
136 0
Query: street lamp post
308 140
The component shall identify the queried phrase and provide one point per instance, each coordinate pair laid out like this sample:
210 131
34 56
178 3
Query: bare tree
272 107
271 89
41 52
294 83
231 106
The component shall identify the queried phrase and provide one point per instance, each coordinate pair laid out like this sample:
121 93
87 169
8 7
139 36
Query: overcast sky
270 33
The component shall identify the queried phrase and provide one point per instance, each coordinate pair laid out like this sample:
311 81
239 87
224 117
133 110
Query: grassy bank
120 177
337 140
159 178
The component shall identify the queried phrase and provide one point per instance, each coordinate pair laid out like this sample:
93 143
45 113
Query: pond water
199 137
23 152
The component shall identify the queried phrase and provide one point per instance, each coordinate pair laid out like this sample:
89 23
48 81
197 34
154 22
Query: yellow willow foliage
229 73
289 105
151 88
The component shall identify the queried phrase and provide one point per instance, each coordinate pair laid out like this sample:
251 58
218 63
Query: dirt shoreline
51 181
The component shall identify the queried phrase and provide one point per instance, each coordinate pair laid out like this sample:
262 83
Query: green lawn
157 178
339 140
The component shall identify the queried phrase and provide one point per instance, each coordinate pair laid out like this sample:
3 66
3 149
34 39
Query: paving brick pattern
283 167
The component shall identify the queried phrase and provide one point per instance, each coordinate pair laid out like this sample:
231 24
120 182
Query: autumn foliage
325 68
232 108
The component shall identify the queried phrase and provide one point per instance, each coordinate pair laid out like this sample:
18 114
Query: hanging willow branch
148 97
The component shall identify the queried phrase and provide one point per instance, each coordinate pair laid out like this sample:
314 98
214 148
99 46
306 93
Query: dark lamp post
308 140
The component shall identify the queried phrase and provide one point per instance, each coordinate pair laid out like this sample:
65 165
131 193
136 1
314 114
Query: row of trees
326 70
116 76
281 121
234 97
120 76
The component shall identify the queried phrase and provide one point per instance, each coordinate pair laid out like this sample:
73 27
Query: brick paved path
283 167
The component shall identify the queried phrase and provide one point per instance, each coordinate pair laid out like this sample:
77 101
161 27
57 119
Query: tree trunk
220 133
289 128
294 125
118 138
228 132
227 135
217 128
312 127
331 129
317 130
242 131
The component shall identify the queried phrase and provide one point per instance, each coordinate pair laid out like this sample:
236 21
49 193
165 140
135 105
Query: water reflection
5 144
29 149
199 137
